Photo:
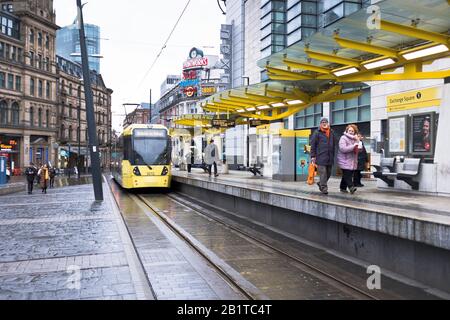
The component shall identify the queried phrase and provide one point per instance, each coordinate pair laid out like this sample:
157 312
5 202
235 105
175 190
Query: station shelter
400 50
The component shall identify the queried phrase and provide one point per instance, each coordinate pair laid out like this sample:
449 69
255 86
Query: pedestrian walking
52 175
212 157
362 160
189 160
44 177
38 175
30 174
347 157
8 174
323 143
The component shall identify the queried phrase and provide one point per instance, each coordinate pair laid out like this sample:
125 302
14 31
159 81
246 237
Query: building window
15 113
47 118
32 86
40 118
18 83
10 81
70 133
39 61
48 90
47 42
309 118
70 110
351 111
2 80
63 132
79 92
3 112
40 88
63 111
70 89
39 39
32 58
31 38
31 117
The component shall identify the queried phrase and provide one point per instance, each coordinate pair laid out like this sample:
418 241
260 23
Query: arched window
86 135
63 86
3 112
63 107
47 118
70 110
70 89
15 114
40 118
70 133
103 137
79 92
31 117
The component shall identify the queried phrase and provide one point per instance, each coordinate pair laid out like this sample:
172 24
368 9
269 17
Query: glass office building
68 44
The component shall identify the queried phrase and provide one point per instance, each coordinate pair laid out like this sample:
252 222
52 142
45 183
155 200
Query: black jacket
31 173
362 158
322 148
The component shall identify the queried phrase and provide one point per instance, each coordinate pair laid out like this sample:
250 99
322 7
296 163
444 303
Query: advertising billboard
423 130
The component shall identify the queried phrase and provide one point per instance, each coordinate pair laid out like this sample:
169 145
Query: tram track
232 276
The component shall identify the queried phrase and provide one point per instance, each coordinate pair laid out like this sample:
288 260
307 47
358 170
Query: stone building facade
33 82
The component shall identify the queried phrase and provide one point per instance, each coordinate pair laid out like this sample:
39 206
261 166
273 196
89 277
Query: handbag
311 173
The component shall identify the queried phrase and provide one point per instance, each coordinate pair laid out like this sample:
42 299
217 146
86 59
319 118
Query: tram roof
129 129
395 43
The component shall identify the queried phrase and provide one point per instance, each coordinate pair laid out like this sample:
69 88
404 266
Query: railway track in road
326 282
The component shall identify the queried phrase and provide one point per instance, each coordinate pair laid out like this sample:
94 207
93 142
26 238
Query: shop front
10 147
39 149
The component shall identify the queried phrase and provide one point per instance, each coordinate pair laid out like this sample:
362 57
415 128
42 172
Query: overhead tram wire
164 45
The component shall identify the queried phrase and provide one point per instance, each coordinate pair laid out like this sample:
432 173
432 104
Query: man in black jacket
323 143
30 173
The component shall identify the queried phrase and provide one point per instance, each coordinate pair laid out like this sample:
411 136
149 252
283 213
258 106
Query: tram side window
127 149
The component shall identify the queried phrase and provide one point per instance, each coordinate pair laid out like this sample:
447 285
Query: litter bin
3 170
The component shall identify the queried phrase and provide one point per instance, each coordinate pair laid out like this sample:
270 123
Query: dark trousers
52 183
347 179
189 167
215 168
325 174
30 186
357 177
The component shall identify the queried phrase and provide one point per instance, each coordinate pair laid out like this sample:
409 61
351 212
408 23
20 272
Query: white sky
136 31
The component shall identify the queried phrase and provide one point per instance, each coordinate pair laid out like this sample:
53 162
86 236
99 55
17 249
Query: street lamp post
79 136
93 140
68 164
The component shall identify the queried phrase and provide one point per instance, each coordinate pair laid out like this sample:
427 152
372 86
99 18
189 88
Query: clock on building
195 53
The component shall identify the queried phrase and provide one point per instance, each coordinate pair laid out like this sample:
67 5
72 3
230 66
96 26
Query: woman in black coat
362 159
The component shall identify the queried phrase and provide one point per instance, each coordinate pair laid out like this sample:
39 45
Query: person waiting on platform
323 143
347 157
189 160
362 161
212 157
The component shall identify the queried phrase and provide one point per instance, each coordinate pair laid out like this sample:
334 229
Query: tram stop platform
404 233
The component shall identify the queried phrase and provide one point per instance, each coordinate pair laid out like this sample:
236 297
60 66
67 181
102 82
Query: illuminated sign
5 147
195 63
149 133
189 75
189 83
190 91
209 90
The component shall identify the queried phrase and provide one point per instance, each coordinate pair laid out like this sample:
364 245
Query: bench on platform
411 169
385 170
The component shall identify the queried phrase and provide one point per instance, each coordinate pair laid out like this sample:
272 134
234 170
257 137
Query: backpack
213 152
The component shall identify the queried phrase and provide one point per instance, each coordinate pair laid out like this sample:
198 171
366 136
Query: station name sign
222 123
430 97
257 123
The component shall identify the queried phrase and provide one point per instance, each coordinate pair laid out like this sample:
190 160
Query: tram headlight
136 171
165 171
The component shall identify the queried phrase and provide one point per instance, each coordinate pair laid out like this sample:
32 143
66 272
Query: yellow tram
142 157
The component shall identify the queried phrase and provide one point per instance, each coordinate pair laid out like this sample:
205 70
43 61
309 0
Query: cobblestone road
64 245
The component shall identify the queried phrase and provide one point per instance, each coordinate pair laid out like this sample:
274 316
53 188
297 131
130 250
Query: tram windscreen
151 147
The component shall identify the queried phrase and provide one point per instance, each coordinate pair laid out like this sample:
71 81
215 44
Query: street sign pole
92 128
